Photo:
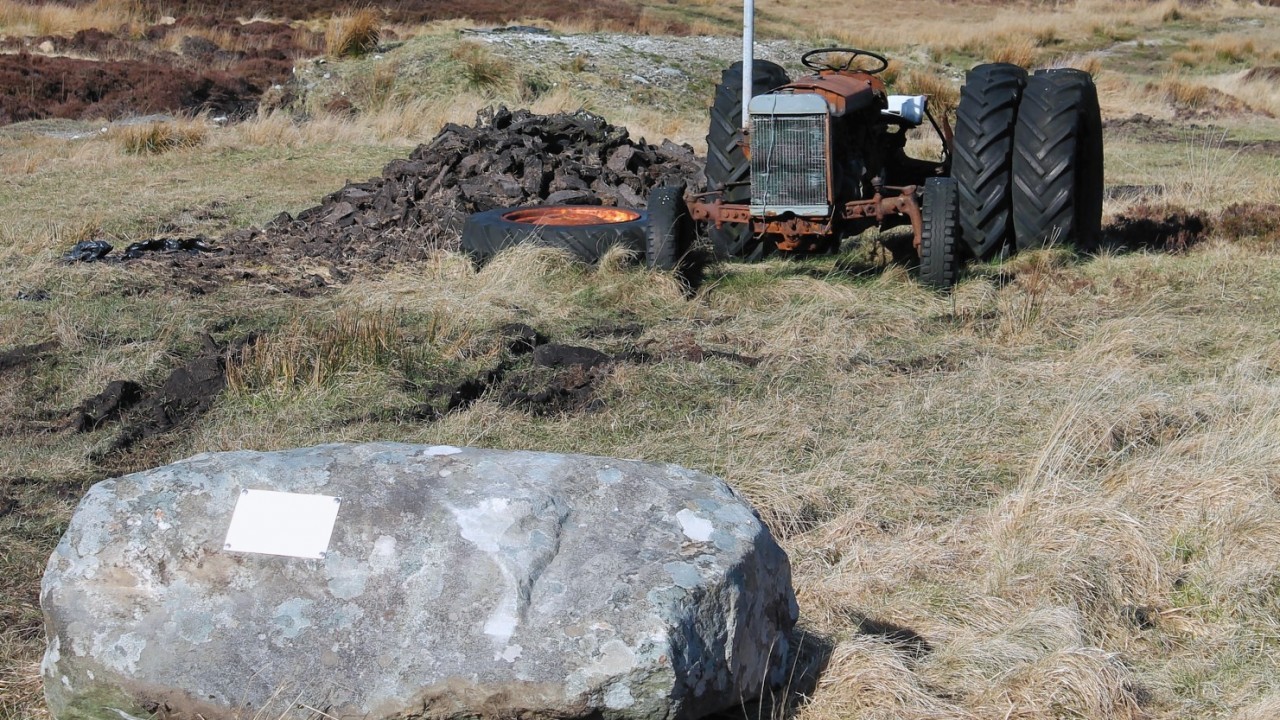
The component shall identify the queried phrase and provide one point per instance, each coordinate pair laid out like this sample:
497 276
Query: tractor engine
825 137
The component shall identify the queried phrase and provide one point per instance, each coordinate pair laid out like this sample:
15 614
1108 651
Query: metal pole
748 57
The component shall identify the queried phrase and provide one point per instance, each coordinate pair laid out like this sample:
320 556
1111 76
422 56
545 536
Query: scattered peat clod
188 245
23 354
539 377
520 338
545 391
556 356
119 396
189 391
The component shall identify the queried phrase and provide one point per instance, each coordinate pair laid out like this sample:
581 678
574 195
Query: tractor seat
906 109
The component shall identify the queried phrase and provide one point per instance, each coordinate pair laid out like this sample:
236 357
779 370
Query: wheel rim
571 216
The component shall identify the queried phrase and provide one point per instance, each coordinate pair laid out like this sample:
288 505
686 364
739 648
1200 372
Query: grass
156 138
1060 477
353 34
21 19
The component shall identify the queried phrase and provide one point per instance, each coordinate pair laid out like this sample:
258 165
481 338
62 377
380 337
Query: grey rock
456 583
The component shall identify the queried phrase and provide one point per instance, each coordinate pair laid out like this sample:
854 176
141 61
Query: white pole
748 59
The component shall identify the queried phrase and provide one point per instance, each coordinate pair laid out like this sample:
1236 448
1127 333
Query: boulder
455 582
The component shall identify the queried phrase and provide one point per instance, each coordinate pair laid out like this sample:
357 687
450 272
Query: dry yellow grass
159 137
22 19
1261 91
1090 533
353 34
1049 495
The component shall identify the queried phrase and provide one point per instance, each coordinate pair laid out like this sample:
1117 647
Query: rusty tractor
798 165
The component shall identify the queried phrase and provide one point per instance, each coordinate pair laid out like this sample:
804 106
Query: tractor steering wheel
854 54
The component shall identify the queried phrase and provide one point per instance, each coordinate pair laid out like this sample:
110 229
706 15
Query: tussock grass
19 19
160 137
1019 51
353 34
312 351
481 69
1259 90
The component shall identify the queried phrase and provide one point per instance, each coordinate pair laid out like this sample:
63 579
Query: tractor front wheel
728 169
939 236
670 228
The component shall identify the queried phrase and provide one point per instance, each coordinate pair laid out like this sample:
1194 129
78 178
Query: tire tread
985 121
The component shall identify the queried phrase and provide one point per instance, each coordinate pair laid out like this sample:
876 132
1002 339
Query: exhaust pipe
748 58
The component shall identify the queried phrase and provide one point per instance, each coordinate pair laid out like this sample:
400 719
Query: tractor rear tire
982 167
727 163
670 228
488 233
1057 162
939 235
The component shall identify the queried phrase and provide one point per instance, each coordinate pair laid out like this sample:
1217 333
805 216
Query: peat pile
419 204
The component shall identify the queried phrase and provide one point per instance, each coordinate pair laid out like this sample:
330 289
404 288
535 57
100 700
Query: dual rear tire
1057 162
1028 159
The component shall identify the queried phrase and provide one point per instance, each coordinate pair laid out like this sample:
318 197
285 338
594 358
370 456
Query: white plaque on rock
281 523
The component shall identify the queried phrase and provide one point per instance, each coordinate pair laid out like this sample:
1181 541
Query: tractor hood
843 92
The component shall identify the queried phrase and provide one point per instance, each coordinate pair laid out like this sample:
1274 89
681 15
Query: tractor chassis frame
889 207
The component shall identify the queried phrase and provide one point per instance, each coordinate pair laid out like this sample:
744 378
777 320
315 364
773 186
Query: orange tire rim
571 215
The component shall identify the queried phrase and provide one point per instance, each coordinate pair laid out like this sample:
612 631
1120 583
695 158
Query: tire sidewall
485 234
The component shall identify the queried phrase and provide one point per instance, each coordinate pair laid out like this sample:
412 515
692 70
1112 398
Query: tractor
796 165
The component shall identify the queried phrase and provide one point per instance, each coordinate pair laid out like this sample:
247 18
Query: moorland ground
1051 493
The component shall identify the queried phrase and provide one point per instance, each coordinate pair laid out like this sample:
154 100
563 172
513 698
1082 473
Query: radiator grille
789 164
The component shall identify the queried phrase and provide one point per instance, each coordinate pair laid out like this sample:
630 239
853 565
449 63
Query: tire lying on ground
1057 161
983 155
587 231
940 233
727 164
670 228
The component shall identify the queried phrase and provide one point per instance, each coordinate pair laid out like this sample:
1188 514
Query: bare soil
111 76
114 76
617 13
60 87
